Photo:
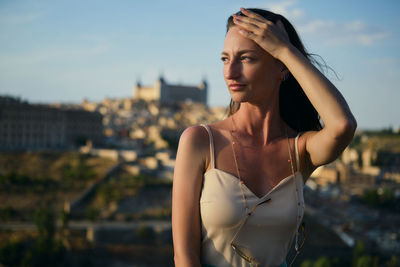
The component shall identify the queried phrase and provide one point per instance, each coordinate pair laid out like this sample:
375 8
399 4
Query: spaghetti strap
297 152
211 145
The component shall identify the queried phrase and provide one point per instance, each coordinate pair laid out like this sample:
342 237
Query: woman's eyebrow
240 52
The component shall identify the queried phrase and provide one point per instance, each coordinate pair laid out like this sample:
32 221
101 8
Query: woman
237 190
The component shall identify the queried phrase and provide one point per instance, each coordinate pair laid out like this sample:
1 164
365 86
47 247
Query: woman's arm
189 168
339 123
325 145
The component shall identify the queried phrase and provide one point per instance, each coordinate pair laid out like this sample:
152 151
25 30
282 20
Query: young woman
238 183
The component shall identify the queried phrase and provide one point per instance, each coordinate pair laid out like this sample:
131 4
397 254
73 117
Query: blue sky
65 51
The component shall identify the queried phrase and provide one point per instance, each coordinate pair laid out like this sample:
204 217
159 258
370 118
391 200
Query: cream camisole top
272 226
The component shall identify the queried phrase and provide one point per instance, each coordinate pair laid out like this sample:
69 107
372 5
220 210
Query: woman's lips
236 86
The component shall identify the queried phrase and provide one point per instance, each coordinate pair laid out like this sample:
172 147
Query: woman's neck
261 123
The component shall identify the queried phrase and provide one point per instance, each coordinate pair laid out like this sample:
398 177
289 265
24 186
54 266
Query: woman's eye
224 59
245 58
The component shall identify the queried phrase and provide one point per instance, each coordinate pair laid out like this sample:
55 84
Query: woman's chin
238 96
239 99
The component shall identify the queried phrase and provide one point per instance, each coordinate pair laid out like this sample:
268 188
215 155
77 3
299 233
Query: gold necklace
241 182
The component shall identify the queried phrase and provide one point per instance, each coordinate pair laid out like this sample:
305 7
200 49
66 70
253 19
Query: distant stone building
171 93
27 126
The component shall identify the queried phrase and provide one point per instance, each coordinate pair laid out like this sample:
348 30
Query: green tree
45 250
358 251
11 253
386 196
92 213
393 262
322 262
146 234
364 261
7 213
44 219
306 263
371 197
64 218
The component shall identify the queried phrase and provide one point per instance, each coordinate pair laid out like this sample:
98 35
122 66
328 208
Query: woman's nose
232 70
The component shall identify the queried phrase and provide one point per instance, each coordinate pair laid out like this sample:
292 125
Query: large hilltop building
27 126
171 93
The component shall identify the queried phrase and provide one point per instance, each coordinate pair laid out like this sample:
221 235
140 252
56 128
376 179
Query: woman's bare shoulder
197 138
194 140
193 150
305 164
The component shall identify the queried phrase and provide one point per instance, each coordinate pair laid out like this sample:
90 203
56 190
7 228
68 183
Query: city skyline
66 51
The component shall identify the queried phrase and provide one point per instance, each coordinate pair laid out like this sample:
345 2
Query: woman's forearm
186 261
323 95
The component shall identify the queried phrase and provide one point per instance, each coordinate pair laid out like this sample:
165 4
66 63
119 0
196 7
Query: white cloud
17 19
297 14
52 54
316 26
391 65
352 32
330 32
355 26
368 39
287 9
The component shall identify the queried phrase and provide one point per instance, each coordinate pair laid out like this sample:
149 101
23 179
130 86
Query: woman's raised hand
271 37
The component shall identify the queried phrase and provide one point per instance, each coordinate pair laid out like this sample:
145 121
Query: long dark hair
294 106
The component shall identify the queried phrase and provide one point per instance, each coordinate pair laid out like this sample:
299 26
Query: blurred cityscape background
94 97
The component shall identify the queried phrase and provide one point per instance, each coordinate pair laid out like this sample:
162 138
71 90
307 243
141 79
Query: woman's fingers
246 24
268 35
252 29
261 28
258 21
248 34
260 24
251 14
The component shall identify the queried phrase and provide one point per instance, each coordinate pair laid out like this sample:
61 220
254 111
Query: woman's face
251 74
